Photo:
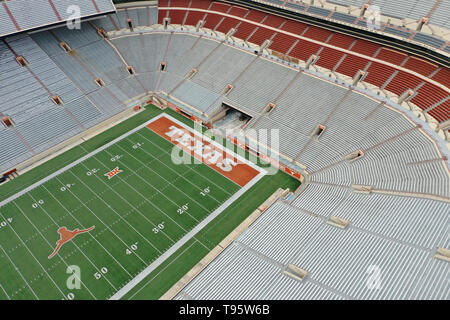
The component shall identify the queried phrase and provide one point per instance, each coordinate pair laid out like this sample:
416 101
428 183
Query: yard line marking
87 258
165 196
191 234
190 168
107 227
6 293
200 147
145 181
76 162
150 280
51 247
110 207
96 240
193 184
143 197
31 253
132 206
20 273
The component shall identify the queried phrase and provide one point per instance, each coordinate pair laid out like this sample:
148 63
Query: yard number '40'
133 247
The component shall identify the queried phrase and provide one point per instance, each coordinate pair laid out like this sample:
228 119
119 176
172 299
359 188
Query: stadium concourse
366 125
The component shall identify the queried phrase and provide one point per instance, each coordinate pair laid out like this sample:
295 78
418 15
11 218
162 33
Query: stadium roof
23 15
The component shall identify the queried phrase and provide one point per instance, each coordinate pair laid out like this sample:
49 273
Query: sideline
143 274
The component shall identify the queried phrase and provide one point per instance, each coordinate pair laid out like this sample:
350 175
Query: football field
101 224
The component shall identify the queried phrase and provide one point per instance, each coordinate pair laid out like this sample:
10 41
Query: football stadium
224 150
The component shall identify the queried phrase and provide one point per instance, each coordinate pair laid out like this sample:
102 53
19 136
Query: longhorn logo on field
67 235
113 173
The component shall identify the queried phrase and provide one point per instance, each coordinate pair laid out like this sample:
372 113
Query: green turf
174 268
135 217
36 174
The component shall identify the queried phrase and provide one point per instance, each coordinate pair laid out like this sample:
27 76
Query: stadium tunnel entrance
229 117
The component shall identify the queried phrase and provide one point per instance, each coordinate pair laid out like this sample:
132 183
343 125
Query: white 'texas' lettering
227 164
206 152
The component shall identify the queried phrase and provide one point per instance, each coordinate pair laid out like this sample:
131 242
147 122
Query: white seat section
330 199
36 130
264 80
18 12
146 52
337 261
188 52
395 228
403 218
310 107
12 149
412 9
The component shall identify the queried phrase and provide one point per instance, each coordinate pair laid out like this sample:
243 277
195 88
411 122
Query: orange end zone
210 154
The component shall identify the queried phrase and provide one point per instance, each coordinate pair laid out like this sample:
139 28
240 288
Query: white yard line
163 194
31 253
73 242
162 162
73 164
132 206
107 227
153 205
6 293
115 211
185 239
94 238
143 197
50 246
168 265
190 168
20 273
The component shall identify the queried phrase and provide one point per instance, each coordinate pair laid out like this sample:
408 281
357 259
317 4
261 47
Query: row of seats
380 255
57 73
412 9
352 121
27 91
331 58
408 11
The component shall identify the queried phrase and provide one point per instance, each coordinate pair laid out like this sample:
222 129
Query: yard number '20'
183 208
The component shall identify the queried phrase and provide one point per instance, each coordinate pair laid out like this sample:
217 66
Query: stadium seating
253 265
399 18
404 216
331 57
50 72
376 129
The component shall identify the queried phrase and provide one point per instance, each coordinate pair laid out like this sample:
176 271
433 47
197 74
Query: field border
76 162
190 235
200 135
